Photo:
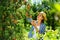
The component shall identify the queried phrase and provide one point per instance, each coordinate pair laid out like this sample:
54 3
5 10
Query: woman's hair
42 21
44 16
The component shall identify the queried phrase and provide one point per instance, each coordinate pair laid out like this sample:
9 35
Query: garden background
13 23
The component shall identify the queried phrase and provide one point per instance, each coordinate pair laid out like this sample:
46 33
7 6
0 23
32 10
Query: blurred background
13 23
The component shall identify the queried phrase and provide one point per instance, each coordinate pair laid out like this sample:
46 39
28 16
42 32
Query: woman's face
40 17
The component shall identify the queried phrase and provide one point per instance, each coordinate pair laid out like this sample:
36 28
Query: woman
37 25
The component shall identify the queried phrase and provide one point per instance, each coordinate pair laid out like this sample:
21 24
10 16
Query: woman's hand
33 23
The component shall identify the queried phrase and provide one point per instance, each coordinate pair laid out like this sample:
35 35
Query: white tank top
34 35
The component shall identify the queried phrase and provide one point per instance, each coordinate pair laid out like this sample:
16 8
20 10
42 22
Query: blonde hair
43 14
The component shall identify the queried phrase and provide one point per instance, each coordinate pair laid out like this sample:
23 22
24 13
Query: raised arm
29 17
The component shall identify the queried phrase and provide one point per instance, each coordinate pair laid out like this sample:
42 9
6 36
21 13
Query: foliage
13 23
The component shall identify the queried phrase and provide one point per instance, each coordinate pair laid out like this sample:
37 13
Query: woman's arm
29 17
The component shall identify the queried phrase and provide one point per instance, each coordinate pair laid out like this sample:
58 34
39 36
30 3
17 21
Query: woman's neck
38 22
